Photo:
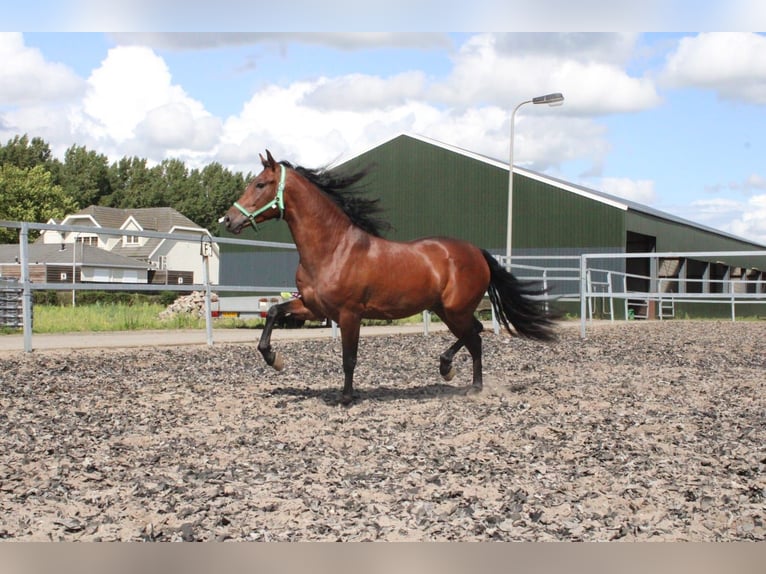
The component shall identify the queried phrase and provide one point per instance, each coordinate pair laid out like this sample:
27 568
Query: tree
25 153
134 185
84 175
86 178
217 189
30 195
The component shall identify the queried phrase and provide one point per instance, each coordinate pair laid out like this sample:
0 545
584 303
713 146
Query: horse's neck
317 224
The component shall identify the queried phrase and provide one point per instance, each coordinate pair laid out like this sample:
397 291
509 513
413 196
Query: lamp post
555 99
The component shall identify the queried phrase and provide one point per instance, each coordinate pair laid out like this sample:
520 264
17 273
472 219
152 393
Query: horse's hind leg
293 307
446 369
473 344
349 332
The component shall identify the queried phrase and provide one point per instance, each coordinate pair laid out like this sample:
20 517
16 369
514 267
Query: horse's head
262 199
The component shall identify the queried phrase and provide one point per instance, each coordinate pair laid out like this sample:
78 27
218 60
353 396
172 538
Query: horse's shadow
332 396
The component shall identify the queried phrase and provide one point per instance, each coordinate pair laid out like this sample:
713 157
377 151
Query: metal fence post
583 293
26 299
206 249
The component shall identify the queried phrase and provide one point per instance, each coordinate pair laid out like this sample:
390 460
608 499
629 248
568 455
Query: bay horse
348 272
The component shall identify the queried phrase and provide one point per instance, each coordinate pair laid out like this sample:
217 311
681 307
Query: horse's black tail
515 304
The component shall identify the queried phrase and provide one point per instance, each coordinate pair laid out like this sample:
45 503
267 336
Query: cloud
132 103
641 190
339 40
26 78
745 219
751 223
731 64
495 69
752 183
426 15
173 126
359 92
581 46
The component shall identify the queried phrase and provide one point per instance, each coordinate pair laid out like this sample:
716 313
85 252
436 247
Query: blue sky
674 121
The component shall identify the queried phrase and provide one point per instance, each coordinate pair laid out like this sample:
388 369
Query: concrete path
158 338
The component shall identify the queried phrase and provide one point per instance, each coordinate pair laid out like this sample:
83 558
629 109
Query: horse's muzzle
234 223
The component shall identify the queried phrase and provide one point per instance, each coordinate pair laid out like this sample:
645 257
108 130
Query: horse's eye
260 185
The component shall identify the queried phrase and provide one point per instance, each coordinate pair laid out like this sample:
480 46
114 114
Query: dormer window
130 240
91 240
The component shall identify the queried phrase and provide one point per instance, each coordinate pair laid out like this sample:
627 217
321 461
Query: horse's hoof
278 363
346 400
473 390
449 375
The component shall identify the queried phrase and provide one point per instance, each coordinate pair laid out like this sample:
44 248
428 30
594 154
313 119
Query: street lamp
555 99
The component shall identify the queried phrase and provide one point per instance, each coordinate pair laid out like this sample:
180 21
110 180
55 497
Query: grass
119 317
141 316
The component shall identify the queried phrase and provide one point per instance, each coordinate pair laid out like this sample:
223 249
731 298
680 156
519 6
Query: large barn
430 188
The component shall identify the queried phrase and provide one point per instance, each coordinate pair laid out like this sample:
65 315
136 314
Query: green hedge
103 297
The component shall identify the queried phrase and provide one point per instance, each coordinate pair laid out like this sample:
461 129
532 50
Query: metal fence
11 297
589 281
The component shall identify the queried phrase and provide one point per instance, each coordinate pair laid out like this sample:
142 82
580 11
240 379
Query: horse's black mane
341 187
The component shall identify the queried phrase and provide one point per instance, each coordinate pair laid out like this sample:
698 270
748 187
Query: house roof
161 219
596 195
61 254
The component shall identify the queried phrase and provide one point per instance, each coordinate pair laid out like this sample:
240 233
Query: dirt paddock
644 431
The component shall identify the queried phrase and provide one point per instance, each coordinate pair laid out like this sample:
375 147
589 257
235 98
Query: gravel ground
644 431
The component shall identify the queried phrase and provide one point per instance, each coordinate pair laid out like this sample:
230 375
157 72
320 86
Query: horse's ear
271 161
264 163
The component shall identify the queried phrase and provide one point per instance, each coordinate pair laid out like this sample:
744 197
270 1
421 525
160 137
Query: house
165 260
72 263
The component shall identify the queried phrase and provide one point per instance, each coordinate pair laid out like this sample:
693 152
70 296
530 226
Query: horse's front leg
349 333
293 307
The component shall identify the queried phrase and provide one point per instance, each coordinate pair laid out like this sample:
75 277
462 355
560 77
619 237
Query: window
130 239
88 240
163 261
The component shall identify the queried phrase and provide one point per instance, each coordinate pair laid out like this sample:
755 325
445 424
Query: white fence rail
588 279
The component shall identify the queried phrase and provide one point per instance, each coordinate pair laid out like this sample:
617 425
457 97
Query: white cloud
26 78
754 182
746 219
280 118
174 126
751 223
742 217
732 64
583 47
359 92
340 40
504 75
542 15
285 119
132 105
641 190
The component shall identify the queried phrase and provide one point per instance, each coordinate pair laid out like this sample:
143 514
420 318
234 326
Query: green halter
277 202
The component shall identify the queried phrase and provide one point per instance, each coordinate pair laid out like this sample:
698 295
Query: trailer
252 307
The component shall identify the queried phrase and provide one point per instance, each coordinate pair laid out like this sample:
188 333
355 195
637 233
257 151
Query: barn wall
427 190
676 236
560 222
